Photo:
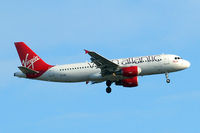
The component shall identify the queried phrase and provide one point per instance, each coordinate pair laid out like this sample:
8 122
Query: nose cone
186 64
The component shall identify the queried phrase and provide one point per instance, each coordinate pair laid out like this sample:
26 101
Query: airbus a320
123 72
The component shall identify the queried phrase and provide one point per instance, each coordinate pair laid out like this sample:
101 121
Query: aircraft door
166 63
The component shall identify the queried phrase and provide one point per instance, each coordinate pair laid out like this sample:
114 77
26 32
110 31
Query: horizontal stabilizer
26 70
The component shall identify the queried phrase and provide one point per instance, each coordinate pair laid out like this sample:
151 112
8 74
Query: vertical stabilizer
30 59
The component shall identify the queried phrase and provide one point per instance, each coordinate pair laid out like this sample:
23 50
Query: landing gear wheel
108 83
108 90
168 80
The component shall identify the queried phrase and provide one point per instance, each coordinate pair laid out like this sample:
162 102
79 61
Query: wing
107 67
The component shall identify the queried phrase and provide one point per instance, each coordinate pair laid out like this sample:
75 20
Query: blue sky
58 31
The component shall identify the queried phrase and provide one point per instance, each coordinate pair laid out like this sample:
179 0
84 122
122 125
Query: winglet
86 51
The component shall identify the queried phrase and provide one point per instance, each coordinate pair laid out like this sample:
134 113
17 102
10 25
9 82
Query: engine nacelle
132 82
129 71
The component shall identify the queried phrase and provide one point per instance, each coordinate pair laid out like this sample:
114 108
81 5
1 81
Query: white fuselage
155 64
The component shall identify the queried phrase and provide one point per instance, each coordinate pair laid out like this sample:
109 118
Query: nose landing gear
167 79
108 89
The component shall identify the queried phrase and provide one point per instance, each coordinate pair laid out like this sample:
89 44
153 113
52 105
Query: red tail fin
30 59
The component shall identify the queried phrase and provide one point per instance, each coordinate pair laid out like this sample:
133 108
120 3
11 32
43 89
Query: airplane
123 72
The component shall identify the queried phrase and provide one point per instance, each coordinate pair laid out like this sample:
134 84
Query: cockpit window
177 58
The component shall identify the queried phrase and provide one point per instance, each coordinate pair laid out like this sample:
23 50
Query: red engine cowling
132 82
130 71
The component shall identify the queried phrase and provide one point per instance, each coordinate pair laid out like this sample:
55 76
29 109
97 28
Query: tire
108 83
108 90
168 80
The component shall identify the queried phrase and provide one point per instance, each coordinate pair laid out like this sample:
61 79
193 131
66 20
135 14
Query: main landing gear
167 79
108 89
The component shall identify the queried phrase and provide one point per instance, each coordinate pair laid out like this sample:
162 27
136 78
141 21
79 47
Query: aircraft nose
187 64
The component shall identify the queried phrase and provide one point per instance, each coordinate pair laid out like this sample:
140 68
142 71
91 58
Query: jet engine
129 71
131 82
